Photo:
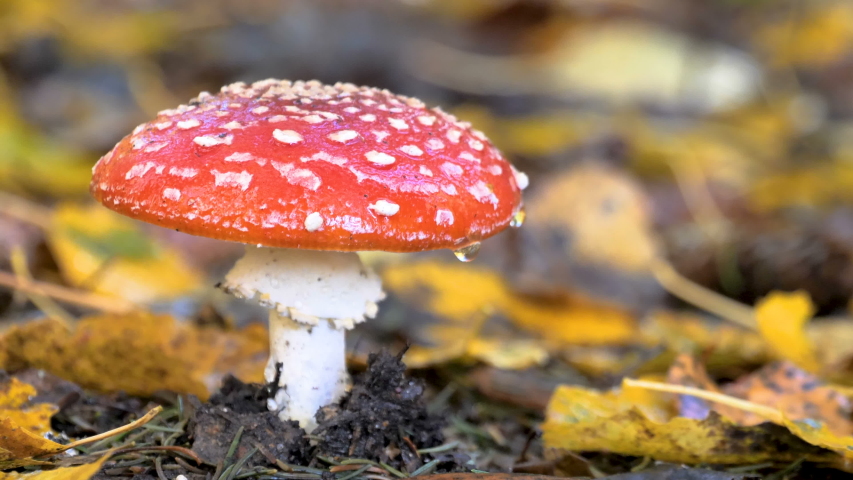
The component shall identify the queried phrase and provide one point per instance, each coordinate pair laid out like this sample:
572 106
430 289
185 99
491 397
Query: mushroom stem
309 364
314 297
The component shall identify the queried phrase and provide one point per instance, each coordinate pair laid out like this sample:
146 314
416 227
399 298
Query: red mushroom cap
307 165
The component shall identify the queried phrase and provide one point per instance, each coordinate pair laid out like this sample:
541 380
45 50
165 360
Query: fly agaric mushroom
307 174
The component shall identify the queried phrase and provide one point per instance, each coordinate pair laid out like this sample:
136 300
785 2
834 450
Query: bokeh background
709 138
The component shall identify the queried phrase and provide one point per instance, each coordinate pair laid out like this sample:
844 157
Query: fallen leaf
80 472
108 253
723 346
471 313
18 445
579 419
596 209
138 353
782 319
15 405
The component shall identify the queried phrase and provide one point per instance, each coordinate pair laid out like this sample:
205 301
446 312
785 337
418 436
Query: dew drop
518 219
468 253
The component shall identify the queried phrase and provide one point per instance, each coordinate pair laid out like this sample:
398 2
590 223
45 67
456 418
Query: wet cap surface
307 165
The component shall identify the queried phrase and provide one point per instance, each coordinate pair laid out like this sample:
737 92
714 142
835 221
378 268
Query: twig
769 413
130 426
67 295
702 297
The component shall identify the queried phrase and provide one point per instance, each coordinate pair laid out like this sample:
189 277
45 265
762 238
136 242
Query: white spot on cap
155 147
163 125
139 128
412 150
475 144
435 144
482 192
495 169
277 118
188 124
368 117
213 140
443 218
520 178
325 157
313 119
233 179
313 221
449 189
427 120
379 158
425 171
172 194
380 135
352 109
343 136
233 126
240 157
295 109
451 169
298 176
384 207
139 170
469 157
453 136
287 136
183 172
398 124
260 110
137 143
368 102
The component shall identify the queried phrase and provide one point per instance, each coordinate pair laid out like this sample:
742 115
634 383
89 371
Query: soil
383 418
242 407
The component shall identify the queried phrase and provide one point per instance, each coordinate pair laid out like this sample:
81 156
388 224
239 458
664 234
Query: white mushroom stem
313 368
315 297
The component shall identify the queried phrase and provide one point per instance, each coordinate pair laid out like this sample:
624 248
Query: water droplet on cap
467 253
518 219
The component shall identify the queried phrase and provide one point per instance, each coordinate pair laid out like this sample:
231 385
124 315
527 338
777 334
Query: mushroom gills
314 297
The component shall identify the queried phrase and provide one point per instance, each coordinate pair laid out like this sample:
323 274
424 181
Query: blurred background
678 150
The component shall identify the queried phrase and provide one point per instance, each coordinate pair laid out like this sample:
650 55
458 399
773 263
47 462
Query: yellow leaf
602 211
782 319
572 321
468 304
818 433
81 472
15 405
722 344
508 354
579 419
138 353
18 444
108 253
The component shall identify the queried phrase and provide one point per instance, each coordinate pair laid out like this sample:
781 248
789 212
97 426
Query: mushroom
307 174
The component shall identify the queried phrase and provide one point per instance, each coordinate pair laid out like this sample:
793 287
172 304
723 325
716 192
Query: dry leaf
468 308
108 253
138 353
81 472
599 209
585 420
782 318
15 405
18 445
